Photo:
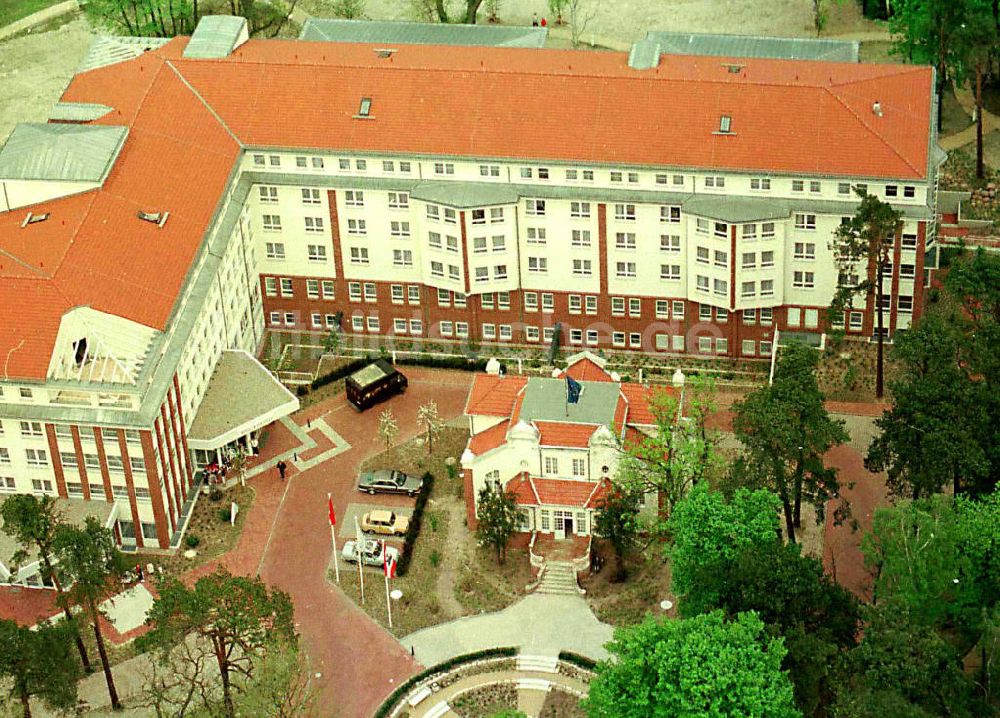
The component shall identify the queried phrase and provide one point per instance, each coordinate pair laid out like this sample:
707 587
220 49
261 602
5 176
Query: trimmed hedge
341 372
451 362
413 530
386 708
587 664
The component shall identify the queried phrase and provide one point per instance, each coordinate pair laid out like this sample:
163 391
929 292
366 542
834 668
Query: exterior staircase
559 578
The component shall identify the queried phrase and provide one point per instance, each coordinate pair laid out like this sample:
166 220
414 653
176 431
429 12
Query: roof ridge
203 101
871 130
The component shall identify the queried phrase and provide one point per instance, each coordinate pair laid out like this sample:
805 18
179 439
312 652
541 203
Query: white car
371 552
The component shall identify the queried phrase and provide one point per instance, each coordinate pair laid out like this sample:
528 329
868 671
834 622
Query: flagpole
333 537
359 551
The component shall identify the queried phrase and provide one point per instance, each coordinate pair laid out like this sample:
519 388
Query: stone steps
538 664
559 579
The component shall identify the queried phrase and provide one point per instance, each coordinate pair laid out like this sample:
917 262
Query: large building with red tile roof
556 456
190 194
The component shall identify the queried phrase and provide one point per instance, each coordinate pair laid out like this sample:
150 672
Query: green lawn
13 10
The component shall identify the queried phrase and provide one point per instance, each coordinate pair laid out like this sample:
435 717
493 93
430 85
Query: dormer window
365 108
384 52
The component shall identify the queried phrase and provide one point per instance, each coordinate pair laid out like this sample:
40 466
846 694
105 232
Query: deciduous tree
38 663
862 248
497 513
235 616
429 419
709 531
702 666
680 451
32 522
785 431
617 520
93 566
387 428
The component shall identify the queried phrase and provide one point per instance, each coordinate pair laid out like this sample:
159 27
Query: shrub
341 371
449 362
413 530
577 660
301 390
191 541
435 558
386 708
214 494
225 514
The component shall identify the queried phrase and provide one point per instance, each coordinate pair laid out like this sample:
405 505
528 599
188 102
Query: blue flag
573 389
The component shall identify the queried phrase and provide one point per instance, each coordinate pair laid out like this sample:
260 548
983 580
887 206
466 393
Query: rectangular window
373 324
590 304
399 200
489 170
36 457
625 270
579 209
815 187
479 216
891 190
805 221
287 287
616 176
535 235
670 272
402 257
618 339
716 182
720 259
399 229
271 222
670 214
506 332
312 288
843 188
489 331
748 289
618 306
580 238
701 283
625 240
461 329
399 326
721 229
354 198
909 241
444 168
548 302
275 250
803 280
634 307
766 259
531 301
478 245
670 243
701 226
446 328
805 250
749 260
720 287
268 195
317 253
576 336
749 316
357 227
625 212
798 186
270 286
535 207
761 184
662 309
359 255
592 336
909 191
531 334
354 291
433 212
721 346
702 255
767 230
396 293
290 319
496 215
482 274
538 265
582 267
413 295
434 239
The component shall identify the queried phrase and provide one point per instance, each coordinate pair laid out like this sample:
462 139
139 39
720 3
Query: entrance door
564 523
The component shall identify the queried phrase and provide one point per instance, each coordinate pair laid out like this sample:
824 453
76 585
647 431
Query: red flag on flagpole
333 516
389 566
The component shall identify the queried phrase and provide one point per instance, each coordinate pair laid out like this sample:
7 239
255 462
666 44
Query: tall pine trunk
116 704
70 621
797 519
879 368
980 168
781 482
219 647
25 699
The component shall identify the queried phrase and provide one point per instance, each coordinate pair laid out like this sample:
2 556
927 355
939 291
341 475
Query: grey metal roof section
782 48
216 36
240 392
726 209
421 33
109 50
78 112
64 152
545 400
465 194
644 55
751 209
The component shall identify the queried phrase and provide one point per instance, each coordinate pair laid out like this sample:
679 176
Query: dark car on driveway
389 481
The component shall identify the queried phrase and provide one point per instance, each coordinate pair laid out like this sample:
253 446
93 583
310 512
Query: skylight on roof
157 218
725 124
34 219
365 108
384 52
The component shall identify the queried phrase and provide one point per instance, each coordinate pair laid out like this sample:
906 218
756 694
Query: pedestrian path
968 102
538 624
306 442
38 18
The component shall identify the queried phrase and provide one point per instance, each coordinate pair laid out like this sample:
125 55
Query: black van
376 382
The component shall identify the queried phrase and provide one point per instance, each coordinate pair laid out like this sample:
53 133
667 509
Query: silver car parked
371 552
389 481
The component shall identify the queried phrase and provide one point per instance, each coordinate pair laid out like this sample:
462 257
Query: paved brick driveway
359 661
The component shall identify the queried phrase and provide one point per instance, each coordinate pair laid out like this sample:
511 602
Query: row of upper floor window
676 180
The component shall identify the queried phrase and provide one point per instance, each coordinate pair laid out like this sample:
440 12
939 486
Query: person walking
282 466
534 19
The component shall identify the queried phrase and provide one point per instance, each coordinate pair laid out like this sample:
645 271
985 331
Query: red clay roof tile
494 395
490 439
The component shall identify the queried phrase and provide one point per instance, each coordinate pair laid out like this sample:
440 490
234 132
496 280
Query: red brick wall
57 467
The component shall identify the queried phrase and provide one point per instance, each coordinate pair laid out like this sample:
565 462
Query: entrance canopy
242 397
